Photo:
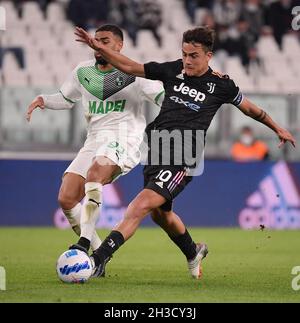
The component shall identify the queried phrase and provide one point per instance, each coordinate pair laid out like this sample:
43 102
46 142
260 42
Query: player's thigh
115 157
71 190
103 170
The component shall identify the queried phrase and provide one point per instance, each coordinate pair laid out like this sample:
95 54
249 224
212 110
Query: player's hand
36 103
86 38
284 137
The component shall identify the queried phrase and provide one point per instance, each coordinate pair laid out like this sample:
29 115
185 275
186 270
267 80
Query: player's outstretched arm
251 110
38 102
118 60
55 101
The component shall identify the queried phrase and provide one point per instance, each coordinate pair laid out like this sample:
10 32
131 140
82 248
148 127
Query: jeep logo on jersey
198 96
102 107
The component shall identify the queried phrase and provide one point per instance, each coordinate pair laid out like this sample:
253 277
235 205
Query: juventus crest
212 87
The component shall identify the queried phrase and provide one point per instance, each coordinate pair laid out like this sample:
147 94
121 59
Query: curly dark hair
200 35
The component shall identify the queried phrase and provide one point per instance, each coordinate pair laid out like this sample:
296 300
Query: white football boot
194 265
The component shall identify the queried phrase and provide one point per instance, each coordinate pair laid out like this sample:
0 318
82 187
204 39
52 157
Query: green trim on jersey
103 85
69 100
158 97
92 80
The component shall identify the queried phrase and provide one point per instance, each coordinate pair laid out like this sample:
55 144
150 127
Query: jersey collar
106 72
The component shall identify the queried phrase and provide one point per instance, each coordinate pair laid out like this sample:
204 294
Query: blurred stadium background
256 45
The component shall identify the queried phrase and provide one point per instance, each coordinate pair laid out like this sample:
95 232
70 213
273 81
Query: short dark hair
112 28
201 35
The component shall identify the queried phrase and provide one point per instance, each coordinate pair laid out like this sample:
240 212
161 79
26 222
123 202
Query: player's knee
97 174
156 216
66 202
93 175
160 216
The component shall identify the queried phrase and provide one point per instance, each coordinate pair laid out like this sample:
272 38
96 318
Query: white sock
90 209
73 217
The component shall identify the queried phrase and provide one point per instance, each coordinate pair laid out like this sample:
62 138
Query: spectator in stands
124 13
150 17
241 41
208 4
253 13
89 14
280 18
191 7
220 36
100 12
78 13
247 148
226 12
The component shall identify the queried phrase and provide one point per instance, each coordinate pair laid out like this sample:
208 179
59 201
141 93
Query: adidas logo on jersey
180 76
160 184
198 96
275 204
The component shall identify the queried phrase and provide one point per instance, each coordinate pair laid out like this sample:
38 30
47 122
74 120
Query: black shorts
168 181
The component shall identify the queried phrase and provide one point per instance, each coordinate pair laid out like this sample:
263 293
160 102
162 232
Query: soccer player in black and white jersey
193 94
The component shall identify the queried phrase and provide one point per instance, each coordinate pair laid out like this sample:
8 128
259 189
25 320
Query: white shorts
124 153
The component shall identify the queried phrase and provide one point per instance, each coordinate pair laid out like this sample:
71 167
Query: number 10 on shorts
164 175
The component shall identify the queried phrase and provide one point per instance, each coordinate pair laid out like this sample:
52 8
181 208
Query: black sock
84 242
186 244
110 245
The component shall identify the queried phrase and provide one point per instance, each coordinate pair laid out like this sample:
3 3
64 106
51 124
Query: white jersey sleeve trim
57 101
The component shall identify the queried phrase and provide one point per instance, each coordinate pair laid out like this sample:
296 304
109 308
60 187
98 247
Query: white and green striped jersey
111 98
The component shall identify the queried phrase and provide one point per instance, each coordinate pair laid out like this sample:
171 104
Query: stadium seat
11 13
267 84
234 68
291 45
31 9
267 46
55 12
13 74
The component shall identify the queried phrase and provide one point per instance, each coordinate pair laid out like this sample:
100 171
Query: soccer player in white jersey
112 101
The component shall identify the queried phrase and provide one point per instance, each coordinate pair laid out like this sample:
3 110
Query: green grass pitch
242 266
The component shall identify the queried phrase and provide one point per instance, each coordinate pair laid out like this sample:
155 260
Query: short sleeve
71 88
152 91
233 94
156 71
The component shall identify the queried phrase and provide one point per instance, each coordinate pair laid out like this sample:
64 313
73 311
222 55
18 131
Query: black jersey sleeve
233 93
156 71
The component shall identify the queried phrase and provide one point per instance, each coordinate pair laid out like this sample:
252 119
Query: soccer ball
74 266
